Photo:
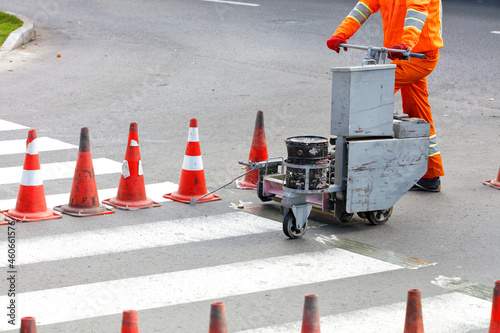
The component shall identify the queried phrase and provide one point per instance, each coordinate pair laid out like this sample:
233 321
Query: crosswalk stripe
200 284
142 236
9 147
60 170
7 126
154 191
449 313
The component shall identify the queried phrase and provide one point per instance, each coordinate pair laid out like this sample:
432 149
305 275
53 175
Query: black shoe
427 184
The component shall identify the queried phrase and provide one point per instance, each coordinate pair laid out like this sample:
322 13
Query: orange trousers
411 80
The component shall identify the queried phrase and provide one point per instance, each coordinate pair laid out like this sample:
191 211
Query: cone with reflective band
495 183
414 321
131 190
192 183
130 323
28 325
31 205
217 318
310 317
258 153
84 200
495 310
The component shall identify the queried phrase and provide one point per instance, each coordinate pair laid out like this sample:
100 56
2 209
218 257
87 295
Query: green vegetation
8 23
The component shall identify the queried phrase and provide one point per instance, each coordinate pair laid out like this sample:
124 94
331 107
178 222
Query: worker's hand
333 43
397 55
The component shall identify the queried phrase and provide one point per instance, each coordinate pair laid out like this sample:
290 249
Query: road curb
19 36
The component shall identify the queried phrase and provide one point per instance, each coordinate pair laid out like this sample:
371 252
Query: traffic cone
131 190
192 183
31 205
28 325
130 323
310 318
414 322
217 318
84 200
495 183
495 310
258 153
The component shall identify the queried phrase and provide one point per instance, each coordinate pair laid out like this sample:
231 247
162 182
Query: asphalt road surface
162 62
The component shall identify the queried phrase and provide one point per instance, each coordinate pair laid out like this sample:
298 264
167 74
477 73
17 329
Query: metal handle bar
384 50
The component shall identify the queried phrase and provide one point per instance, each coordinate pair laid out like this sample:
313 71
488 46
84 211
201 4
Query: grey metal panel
362 101
380 172
411 128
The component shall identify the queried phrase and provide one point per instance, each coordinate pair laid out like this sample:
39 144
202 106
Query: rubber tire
379 217
289 224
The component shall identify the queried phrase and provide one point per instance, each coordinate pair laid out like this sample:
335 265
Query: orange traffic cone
28 325
131 190
31 205
310 318
495 310
192 183
495 183
258 153
130 323
84 200
217 318
414 322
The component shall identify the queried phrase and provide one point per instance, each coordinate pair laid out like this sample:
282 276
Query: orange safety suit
417 24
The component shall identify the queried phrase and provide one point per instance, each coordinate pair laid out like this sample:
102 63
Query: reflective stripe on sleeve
31 178
360 13
433 146
192 163
415 19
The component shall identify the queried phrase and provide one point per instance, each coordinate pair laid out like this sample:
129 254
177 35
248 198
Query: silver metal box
362 100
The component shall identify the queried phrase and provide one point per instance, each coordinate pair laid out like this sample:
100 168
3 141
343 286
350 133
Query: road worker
408 25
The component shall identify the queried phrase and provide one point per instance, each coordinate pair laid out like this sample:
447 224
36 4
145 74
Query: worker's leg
411 79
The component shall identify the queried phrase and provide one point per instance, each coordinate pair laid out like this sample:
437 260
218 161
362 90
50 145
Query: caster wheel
290 227
379 216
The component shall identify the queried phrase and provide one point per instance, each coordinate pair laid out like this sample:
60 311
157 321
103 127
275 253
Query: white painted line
8 126
44 144
234 3
60 170
495 32
153 191
142 236
449 313
182 287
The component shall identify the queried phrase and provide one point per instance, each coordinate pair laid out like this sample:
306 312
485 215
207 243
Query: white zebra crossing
180 287
448 313
9 147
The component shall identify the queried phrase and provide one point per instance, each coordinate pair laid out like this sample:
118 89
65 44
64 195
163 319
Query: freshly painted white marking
449 313
192 163
44 144
141 236
194 285
32 148
193 135
60 170
153 191
495 32
234 3
8 126
31 178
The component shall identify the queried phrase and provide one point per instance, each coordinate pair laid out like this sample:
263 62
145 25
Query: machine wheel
289 227
379 216
362 215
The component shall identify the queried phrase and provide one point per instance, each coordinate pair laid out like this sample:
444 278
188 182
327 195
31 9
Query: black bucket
307 163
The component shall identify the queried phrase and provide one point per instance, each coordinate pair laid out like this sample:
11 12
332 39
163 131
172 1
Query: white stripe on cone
32 147
192 163
31 178
193 134
134 143
125 169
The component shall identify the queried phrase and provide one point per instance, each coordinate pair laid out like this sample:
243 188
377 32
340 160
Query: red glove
333 43
397 55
